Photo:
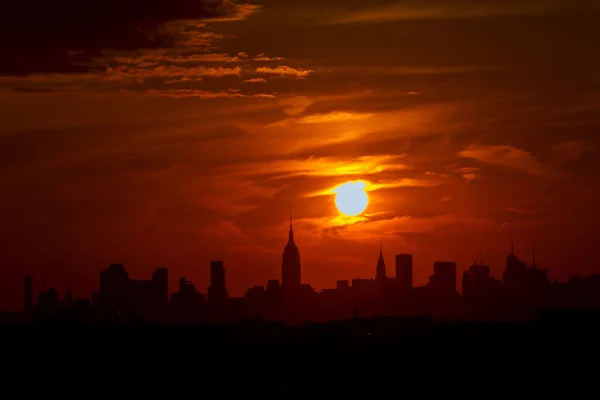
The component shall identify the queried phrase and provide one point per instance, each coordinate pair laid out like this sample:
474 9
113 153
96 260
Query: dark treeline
302 358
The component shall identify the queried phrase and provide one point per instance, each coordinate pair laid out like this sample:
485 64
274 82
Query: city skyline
291 256
290 275
523 291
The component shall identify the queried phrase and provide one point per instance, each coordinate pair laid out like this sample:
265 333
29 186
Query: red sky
194 139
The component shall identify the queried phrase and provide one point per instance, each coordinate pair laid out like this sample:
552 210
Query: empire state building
290 264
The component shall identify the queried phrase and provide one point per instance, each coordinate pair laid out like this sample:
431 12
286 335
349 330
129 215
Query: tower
160 280
217 291
404 272
291 278
380 275
444 276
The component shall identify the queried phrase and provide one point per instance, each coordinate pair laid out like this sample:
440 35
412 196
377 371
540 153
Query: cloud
324 166
368 228
332 117
221 198
506 156
468 173
570 150
172 71
153 57
285 71
471 176
226 230
262 57
67 35
296 105
446 9
382 184
335 116
203 94
418 70
255 80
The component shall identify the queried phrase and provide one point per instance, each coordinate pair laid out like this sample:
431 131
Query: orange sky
471 123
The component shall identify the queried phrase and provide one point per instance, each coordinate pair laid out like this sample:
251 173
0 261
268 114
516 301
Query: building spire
291 234
380 272
534 254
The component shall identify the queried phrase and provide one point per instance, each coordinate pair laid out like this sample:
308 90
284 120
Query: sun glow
351 199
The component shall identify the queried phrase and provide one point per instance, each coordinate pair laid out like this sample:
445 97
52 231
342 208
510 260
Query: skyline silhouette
524 291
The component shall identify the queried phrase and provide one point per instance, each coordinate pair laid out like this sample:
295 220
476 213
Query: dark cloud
64 35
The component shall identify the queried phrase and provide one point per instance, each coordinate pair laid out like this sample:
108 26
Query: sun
351 198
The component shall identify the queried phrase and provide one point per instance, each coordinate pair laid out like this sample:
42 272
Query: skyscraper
444 276
217 291
380 275
404 272
290 264
160 280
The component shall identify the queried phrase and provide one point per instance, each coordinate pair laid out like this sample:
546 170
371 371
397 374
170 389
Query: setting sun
351 198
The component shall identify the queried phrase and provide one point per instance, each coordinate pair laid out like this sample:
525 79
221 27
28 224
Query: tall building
28 295
515 275
404 272
114 285
160 279
291 279
217 291
380 275
444 277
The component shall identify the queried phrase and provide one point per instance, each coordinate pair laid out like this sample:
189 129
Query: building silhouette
380 275
217 291
404 272
524 291
126 298
443 279
291 269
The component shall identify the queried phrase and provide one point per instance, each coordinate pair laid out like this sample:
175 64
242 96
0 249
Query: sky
171 133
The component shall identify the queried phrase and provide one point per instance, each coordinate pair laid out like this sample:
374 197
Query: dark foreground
269 359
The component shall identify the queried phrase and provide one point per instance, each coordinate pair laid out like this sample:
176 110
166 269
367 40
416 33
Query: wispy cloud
418 70
375 227
570 150
262 57
506 156
325 166
285 71
255 80
468 173
203 94
332 117
445 9
382 184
